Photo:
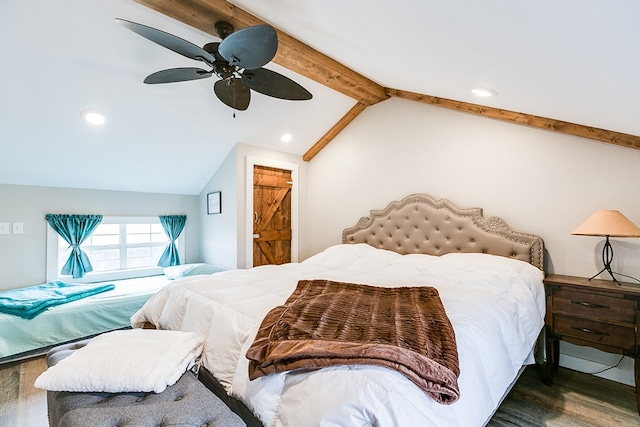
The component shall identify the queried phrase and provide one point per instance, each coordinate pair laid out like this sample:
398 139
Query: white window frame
53 272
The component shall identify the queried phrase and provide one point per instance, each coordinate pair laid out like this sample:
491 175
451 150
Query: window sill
114 275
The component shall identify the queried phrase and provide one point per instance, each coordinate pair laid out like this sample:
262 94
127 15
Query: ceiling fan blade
250 47
274 84
173 75
169 41
233 93
212 48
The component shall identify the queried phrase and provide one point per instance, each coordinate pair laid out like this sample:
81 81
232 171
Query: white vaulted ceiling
575 61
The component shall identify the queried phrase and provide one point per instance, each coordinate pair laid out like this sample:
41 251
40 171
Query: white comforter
495 304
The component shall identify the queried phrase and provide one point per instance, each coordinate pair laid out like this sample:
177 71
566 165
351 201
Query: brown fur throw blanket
326 323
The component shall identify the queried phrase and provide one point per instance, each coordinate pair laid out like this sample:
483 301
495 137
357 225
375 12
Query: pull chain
234 97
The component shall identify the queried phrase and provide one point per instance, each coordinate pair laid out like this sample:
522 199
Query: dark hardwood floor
574 400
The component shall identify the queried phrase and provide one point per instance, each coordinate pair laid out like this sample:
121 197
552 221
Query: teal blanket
33 300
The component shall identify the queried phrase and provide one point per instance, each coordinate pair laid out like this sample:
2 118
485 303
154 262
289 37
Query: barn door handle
256 217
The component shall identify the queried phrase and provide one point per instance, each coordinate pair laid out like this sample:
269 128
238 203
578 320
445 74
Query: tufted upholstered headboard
421 224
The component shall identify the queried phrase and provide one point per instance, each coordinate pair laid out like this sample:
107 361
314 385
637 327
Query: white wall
539 181
23 256
219 232
224 239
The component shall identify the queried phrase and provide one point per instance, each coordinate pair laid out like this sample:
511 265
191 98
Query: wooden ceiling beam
602 135
334 131
292 54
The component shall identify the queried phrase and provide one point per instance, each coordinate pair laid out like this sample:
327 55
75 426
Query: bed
20 338
488 278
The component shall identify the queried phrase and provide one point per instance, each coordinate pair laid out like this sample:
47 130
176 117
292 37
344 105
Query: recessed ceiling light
94 117
483 93
287 137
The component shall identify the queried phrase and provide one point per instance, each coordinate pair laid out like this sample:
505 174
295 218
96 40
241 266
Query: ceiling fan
237 61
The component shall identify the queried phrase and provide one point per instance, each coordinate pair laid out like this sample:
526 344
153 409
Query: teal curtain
173 226
74 229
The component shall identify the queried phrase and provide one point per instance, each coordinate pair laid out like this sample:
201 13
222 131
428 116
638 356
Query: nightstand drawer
595 332
594 306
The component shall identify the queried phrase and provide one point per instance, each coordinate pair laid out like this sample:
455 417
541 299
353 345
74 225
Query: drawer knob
589 304
590 331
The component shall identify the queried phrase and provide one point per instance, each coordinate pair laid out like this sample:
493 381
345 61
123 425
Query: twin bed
486 276
20 338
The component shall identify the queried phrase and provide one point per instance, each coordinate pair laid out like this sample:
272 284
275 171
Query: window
119 248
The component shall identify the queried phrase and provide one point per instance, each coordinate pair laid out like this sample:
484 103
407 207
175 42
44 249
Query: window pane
138 238
138 252
107 265
103 254
102 240
141 262
108 235
159 238
138 228
141 257
63 256
107 229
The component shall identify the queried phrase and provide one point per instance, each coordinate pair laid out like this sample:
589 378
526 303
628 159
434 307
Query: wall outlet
18 228
4 228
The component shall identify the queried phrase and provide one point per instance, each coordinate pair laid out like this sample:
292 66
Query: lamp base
607 257
608 269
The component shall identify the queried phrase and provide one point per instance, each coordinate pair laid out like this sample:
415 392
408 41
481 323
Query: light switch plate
4 228
18 228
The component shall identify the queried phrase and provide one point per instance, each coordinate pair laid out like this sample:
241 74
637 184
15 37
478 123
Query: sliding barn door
271 216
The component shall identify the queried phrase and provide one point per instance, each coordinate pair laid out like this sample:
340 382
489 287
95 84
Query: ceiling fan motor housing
223 29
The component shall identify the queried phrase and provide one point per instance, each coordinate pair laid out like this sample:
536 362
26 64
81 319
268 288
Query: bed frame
419 223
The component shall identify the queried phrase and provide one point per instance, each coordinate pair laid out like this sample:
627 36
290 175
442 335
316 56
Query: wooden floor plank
9 391
574 400
31 397
21 404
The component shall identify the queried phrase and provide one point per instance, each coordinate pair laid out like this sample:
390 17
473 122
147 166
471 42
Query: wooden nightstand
595 313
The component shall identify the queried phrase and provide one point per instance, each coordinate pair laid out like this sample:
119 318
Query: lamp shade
607 223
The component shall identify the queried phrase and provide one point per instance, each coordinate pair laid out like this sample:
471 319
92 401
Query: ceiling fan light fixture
483 93
94 117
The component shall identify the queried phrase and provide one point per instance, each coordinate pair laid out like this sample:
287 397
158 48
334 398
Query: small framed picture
214 202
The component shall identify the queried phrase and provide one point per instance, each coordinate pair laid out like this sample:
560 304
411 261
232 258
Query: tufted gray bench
186 403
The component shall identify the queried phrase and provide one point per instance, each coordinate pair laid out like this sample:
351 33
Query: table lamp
607 223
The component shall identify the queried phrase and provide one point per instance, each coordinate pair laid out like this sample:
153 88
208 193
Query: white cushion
145 360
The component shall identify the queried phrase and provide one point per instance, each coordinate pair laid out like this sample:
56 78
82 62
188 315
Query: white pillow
125 361
184 270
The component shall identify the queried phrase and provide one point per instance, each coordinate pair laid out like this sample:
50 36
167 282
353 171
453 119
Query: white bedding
496 306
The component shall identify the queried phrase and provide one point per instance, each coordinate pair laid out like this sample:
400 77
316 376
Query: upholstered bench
186 403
